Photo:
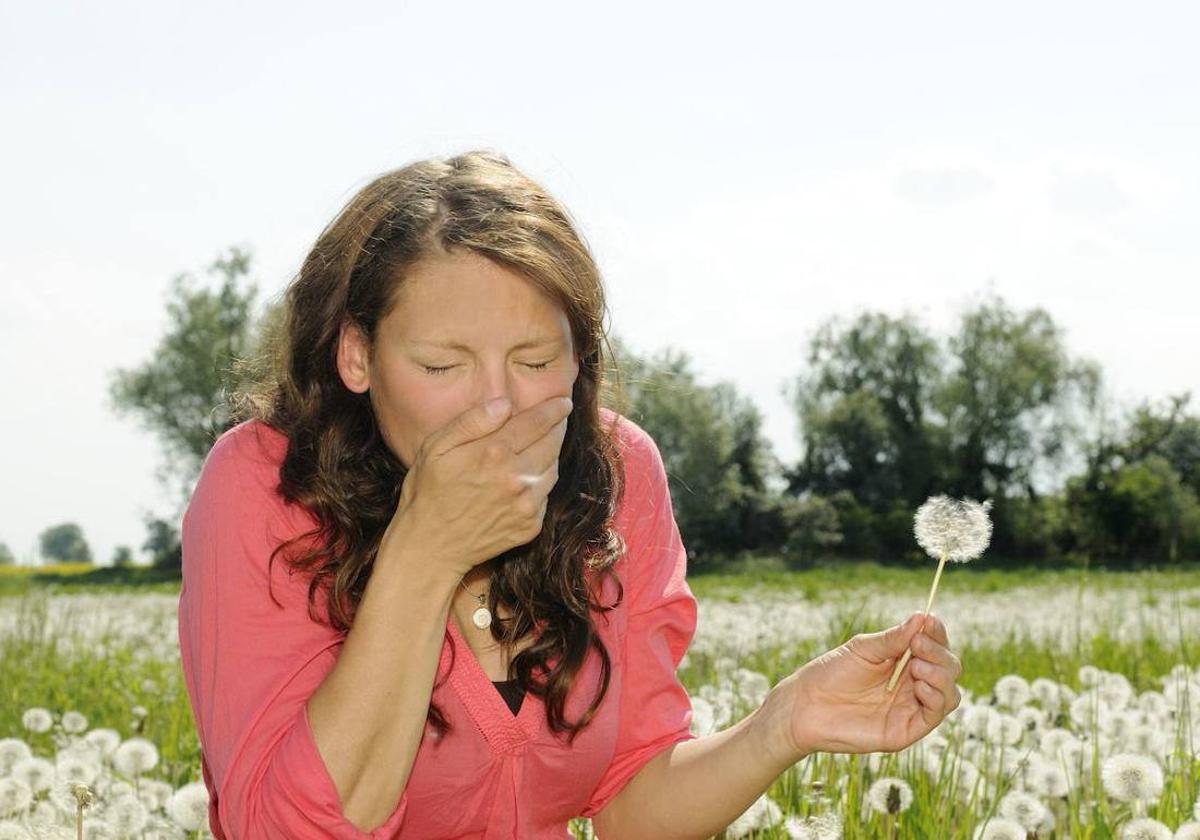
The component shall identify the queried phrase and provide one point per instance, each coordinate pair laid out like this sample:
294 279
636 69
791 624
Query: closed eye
437 371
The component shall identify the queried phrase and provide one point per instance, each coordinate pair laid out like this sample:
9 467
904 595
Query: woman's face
463 299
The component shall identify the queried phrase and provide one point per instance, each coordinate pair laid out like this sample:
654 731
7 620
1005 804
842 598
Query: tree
716 459
862 407
1014 401
162 544
1137 500
122 557
181 392
65 544
6 556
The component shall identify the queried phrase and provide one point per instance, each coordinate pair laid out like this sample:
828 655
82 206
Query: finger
941 678
528 428
935 628
926 648
932 701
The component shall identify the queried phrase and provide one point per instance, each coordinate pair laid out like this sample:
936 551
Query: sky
742 173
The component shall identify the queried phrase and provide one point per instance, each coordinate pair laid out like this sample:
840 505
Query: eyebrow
540 341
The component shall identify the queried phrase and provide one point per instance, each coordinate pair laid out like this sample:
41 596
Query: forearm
369 714
696 788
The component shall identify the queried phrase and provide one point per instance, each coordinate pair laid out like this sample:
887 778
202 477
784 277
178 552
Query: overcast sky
742 172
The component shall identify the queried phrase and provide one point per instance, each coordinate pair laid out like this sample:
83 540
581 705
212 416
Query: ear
352 357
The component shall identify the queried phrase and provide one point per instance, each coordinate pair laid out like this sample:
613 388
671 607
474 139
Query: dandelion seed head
1049 780
188 806
127 814
15 796
1023 808
1188 831
105 740
12 750
13 831
1129 777
889 795
37 719
1145 828
958 530
1000 828
36 772
1012 691
135 756
74 722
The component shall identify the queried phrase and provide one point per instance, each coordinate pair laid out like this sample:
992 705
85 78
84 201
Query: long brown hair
337 463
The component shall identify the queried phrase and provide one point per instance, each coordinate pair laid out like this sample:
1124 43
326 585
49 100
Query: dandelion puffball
1129 777
1145 828
958 530
889 795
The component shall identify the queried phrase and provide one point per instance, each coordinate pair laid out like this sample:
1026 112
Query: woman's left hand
838 702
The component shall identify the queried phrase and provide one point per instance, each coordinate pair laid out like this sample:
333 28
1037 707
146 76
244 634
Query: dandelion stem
891 686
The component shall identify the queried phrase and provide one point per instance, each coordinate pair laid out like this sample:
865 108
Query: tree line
887 415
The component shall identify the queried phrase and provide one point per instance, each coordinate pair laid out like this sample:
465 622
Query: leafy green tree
6 556
162 544
862 405
1014 401
122 557
65 544
1137 502
180 393
716 459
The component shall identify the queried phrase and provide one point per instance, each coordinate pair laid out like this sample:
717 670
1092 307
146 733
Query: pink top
251 667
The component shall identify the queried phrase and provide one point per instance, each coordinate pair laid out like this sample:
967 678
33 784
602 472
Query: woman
483 605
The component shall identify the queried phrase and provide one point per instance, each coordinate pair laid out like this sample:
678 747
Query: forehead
449 301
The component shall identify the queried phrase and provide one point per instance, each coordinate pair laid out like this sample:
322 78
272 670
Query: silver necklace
482 617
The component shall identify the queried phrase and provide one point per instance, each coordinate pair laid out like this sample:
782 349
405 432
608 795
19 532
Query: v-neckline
506 733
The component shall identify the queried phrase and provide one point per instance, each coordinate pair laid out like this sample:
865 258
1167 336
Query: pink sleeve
656 710
251 665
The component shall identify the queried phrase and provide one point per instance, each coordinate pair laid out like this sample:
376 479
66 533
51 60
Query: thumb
476 422
892 642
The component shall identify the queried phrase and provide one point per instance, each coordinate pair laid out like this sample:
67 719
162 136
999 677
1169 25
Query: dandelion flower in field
1188 831
13 831
1023 808
1089 675
15 796
1012 691
821 827
36 772
1129 777
12 750
1145 828
948 529
127 815
37 719
74 722
1048 780
135 756
188 806
104 739
1047 692
889 795
1004 729
763 813
1001 828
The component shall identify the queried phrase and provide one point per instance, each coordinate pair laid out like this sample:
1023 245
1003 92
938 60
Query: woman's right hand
479 485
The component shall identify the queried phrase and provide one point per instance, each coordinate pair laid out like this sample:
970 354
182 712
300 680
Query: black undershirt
511 693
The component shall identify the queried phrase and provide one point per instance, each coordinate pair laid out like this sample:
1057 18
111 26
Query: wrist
774 721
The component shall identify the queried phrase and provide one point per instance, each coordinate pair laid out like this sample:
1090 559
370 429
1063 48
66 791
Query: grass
105 679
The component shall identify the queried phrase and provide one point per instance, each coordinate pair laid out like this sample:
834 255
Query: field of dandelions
1079 696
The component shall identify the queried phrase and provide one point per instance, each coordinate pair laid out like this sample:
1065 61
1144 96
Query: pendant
482 618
